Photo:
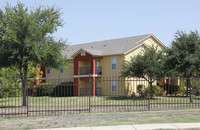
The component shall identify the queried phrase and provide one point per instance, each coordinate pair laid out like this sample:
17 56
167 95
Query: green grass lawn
101 119
47 101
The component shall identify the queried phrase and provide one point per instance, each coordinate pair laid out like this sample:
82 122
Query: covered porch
86 69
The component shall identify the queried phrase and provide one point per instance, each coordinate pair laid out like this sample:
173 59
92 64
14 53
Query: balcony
88 70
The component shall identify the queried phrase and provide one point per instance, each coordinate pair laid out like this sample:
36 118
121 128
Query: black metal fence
53 96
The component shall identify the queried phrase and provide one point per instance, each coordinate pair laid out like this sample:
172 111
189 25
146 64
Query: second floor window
113 63
48 70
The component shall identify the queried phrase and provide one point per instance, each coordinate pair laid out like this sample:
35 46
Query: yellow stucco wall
147 43
106 65
68 71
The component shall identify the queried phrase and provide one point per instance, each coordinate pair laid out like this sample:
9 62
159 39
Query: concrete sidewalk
136 127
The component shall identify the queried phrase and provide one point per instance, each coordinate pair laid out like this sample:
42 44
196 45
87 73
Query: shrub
196 87
10 89
181 90
155 91
44 89
170 89
140 89
64 89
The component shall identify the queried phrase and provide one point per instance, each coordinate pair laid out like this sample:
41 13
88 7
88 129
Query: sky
96 20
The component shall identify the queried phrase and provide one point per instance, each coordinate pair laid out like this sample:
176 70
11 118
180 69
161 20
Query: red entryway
78 58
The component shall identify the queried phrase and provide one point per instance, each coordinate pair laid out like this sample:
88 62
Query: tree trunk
189 87
24 84
24 92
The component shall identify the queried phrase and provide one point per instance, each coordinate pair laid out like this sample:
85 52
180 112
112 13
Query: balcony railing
88 70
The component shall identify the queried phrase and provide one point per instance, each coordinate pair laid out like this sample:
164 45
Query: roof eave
144 43
138 44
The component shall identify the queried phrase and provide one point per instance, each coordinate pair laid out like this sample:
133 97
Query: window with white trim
114 63
142 47
48 70
114 86
82 53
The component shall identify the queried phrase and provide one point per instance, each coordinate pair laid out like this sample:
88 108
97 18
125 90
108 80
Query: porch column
36 82
93 78
75 91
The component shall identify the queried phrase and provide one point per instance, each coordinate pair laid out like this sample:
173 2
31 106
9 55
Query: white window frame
112 63
82 53
142 47
62 70
150 38
113 85
49 70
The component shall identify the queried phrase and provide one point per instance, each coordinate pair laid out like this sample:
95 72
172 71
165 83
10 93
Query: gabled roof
89 51
107 47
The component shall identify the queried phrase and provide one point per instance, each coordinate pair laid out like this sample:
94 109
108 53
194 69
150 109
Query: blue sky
95 20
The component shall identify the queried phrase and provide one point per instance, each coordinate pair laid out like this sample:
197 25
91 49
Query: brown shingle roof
107 47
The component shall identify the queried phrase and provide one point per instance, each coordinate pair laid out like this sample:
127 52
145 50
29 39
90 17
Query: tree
9 79
26 38
147 65
183 56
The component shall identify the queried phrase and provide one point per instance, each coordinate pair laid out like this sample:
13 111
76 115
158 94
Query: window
113 63
150 38
113 86
142 47
48 70
61 70
82 53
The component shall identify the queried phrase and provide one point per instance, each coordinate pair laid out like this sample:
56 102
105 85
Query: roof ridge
110 39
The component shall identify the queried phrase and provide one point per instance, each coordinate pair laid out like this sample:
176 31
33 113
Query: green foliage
11 90
181 90
9 79
140 89
9 84
147 64
9 75
26 38
195 84
170 89
183 55
155 91
174 89
45 89
48 89
64 89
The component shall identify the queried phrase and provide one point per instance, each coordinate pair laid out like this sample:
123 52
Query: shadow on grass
11 106
145 98
196 98
126 98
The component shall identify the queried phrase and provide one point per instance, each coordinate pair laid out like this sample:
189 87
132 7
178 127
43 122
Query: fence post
149 107
89 94
27 97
